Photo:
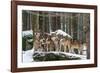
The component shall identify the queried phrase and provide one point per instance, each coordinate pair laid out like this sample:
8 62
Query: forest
77 25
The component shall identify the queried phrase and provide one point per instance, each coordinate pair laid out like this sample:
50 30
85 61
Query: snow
76 55
28 32
84 47
62 33
28 55
30 40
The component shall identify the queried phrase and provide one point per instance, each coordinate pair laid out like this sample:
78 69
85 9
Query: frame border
14 5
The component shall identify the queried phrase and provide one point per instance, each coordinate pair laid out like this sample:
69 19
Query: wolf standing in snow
65 44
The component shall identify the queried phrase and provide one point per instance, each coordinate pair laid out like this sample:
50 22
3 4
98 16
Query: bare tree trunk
50 30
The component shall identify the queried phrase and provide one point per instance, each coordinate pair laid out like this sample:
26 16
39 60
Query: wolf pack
46 42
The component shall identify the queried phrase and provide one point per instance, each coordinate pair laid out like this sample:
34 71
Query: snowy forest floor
27 56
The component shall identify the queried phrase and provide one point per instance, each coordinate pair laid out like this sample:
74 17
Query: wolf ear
35 33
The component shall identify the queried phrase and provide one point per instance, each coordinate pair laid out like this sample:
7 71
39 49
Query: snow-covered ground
28 55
